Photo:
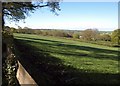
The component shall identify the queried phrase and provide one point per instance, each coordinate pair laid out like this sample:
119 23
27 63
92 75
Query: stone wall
9 61
14 74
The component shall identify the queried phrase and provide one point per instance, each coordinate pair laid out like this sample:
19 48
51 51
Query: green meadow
58 60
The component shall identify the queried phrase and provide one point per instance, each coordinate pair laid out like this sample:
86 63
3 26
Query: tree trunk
9 61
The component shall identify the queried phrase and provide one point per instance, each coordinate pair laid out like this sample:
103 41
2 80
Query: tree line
84 35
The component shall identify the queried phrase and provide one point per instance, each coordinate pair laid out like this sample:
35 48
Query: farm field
60 61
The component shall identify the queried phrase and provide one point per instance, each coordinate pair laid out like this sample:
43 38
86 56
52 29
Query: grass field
65 61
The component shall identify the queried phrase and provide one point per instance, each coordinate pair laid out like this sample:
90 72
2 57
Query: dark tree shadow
98 53
49 70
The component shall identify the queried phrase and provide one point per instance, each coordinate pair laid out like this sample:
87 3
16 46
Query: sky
74 16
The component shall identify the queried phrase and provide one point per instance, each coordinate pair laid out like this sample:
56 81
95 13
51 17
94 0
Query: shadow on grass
66 49
48 70
40 39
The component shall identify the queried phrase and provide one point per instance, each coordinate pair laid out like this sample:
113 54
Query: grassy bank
66 61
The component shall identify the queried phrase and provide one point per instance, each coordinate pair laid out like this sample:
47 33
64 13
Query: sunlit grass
79 55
